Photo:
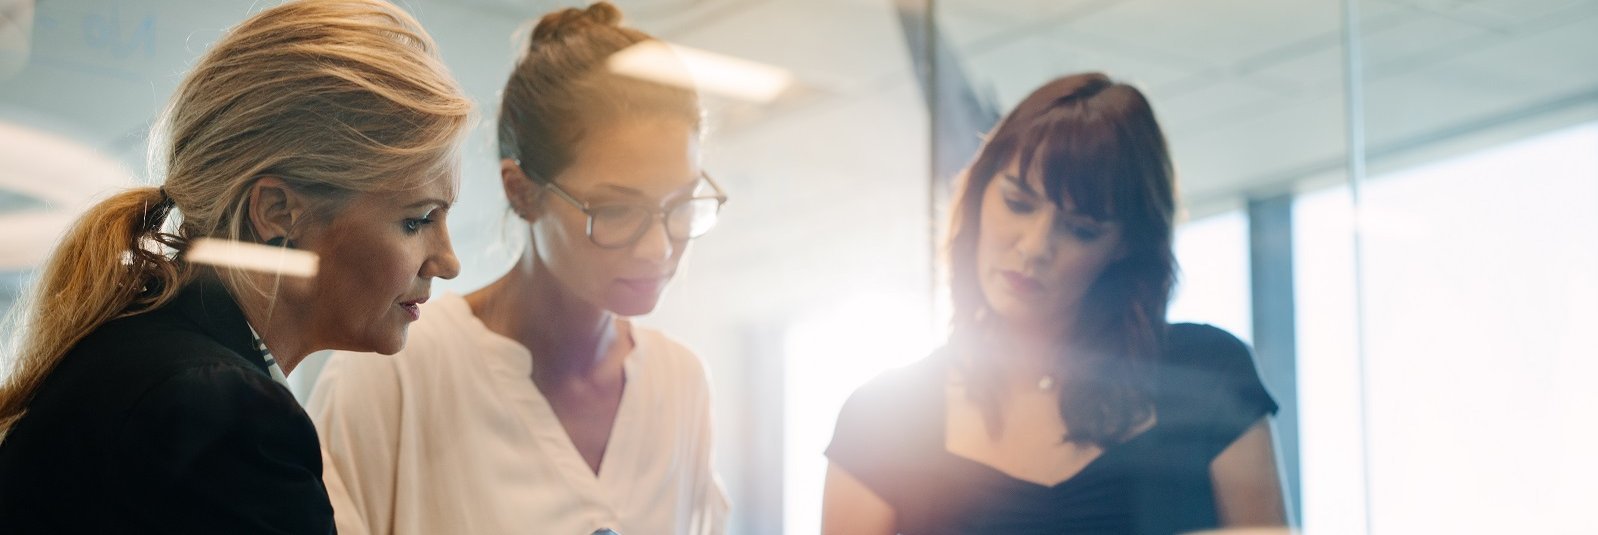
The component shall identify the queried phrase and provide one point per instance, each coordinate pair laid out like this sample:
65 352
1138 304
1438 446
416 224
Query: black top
165 422
890 436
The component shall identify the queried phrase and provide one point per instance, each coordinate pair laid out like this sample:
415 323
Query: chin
387 345
1015 311
630 307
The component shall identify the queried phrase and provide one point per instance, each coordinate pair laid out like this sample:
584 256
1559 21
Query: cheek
563 246
560 231
994 235
985 248
1081 265
369 269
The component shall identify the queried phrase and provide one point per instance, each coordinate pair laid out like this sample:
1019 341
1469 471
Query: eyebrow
622 189
441 203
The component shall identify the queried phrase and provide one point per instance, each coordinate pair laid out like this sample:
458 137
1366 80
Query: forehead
441 187
653 157
1031 179
444 184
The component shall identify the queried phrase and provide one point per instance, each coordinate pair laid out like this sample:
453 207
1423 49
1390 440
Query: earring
281 241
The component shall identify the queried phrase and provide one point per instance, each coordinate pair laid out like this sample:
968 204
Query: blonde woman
143 399
533 405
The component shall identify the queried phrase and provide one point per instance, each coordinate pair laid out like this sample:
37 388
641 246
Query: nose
1036 242
656 244
442 263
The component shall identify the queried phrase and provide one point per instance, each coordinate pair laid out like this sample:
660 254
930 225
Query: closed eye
1082 228
1019 206
1084 232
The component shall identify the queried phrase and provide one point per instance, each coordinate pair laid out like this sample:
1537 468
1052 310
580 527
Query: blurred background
1394 201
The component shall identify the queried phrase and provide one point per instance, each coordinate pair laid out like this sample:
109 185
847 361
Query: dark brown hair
561 89
1098 150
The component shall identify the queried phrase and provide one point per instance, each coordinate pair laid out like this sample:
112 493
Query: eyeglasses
614 226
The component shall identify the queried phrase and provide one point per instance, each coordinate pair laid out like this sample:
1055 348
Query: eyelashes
415 225
1018 207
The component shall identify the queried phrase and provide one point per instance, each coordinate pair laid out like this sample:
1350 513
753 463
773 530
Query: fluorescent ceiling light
661 62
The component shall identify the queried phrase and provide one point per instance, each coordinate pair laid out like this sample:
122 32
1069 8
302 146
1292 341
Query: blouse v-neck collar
940 427
513 366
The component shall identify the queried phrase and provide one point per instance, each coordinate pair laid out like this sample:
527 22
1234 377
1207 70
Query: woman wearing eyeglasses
533 405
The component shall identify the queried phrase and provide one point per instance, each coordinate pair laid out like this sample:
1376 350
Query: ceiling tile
1019 67
1214 32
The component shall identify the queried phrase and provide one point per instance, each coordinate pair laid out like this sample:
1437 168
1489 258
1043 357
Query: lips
413 307
1022 284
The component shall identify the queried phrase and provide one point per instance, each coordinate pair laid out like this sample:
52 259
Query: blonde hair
334 97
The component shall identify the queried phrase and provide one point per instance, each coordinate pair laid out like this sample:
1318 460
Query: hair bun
559 24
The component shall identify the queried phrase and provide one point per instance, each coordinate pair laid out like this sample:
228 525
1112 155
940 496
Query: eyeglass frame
658 213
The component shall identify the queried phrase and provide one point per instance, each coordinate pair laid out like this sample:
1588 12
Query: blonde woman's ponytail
115 261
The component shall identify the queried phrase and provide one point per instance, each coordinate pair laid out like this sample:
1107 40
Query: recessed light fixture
665 63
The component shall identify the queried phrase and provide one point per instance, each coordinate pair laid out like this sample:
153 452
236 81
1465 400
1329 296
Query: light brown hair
561 90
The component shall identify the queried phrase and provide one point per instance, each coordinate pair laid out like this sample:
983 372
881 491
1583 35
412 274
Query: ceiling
830 196
1252 93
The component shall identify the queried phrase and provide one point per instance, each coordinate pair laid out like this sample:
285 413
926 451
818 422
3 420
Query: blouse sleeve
1213 388
870 436
356 406
222 449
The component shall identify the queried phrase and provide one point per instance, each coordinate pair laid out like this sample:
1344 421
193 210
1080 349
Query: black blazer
165 422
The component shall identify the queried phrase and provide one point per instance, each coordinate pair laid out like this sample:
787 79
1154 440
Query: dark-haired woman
1063 402
533 405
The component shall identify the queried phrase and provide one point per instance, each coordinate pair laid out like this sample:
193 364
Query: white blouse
451 436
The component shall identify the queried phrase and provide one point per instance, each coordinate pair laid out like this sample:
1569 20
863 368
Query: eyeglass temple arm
720 193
